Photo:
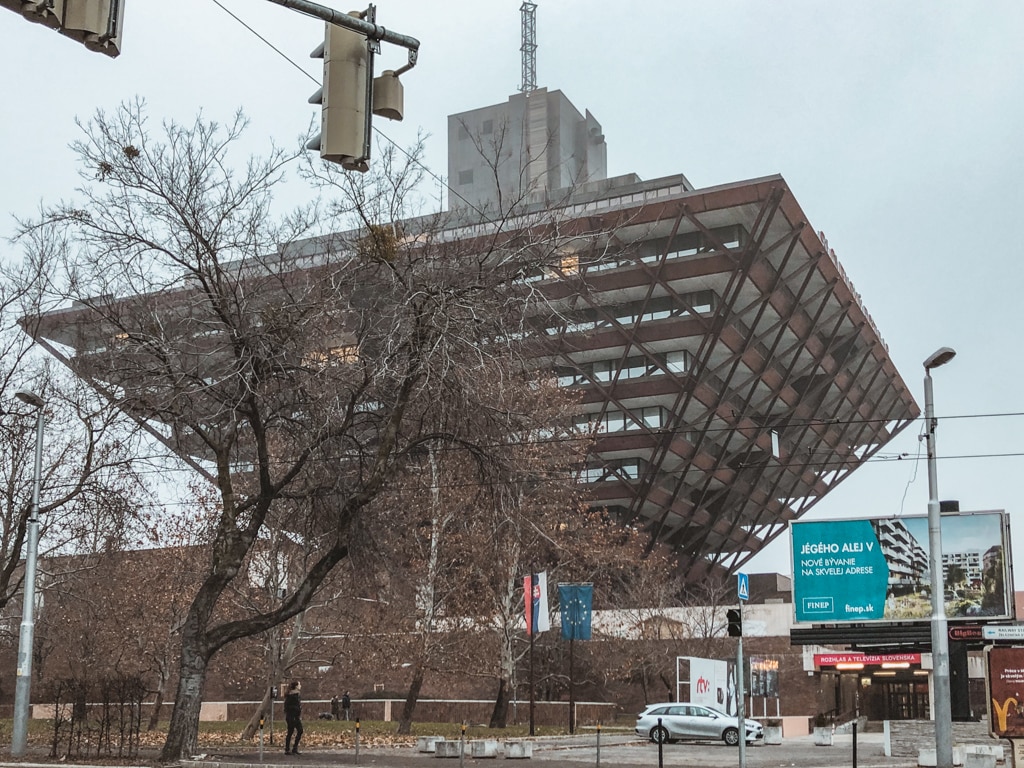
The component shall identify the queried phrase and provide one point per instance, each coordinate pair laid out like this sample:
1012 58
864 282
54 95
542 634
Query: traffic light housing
94 23
350 96
732 616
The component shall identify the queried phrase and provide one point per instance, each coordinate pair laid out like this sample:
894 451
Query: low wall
905 738
474 712
456 711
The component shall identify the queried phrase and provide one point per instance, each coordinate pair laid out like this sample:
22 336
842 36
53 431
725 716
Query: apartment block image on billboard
878 569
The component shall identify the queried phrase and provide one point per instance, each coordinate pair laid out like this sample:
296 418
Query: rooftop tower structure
524 150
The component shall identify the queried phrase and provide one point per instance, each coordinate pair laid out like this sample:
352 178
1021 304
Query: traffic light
735 623
344 98
94 23
350 96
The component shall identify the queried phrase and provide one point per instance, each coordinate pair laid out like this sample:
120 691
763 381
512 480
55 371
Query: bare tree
90 496
301 377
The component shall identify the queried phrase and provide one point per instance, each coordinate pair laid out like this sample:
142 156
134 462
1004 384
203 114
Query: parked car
693 721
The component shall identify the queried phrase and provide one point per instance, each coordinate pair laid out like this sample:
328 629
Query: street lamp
23 682
940 641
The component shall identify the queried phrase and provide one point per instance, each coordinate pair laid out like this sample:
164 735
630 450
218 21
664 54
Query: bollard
462 744
599 744
261 739
357 741
661 747
854 744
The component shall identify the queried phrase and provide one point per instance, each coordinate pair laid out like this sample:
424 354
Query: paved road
797 752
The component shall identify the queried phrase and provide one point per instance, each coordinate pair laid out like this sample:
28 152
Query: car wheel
731 736
659 734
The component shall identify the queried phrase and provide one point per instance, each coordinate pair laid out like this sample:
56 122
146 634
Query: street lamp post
23 682
943 717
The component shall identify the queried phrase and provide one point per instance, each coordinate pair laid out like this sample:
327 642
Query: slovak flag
535 592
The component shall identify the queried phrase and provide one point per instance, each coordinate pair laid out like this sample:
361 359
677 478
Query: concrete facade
532 145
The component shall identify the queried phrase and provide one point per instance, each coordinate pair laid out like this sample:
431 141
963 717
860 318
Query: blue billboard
879 569
839 571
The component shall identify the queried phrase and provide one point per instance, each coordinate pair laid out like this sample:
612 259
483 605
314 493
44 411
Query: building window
465 177
332 356
488 127
653 417
627 469
698 302
635 367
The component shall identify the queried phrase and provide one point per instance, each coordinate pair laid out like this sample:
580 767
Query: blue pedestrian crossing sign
742 586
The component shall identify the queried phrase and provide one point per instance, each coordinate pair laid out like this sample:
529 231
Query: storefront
879 686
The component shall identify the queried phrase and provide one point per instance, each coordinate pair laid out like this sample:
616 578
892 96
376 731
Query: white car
672 721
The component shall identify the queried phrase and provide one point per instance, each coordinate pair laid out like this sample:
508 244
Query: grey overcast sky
898 125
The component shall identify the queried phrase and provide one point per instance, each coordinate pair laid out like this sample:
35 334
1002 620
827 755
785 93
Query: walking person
293 717
346 705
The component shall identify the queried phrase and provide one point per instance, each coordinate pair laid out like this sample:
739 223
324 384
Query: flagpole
531 629
572 686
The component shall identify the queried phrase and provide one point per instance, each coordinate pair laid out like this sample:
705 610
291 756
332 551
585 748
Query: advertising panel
878 569
711 682
1005 683
764 677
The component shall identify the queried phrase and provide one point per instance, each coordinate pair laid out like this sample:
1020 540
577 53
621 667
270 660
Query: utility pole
742 594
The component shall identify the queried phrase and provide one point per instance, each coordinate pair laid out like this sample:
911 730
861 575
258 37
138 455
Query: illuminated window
346 354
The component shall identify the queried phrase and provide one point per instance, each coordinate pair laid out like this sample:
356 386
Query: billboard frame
844 574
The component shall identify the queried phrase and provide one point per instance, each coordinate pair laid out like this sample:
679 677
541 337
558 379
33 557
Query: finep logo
818 605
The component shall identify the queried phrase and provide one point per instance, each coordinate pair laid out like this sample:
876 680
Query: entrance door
905 700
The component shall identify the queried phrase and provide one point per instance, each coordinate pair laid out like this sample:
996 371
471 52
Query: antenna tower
529 47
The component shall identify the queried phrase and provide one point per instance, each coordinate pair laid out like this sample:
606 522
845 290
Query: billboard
711 682
1005 681
878 569
764 677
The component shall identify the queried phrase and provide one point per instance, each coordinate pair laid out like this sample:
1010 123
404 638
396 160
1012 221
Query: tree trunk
499 716
183 732
405 724
158 705
254 722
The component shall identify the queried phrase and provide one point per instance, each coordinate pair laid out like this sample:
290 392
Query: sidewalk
575 752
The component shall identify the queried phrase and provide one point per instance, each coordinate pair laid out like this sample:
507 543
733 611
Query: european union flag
575 601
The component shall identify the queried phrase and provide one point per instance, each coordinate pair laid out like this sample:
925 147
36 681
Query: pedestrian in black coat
293 717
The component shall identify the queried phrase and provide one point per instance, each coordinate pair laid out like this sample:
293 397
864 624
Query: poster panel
711 682
878 569
1004 673
764 677
708 682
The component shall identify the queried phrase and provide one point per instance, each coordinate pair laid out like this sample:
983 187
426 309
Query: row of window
651 252
628 469
632 368
651 417
698 302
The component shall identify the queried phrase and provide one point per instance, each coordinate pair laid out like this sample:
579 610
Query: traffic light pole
741 696
372 31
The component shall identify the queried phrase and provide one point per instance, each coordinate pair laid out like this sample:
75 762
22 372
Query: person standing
293 717
346 705
335 708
